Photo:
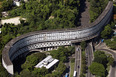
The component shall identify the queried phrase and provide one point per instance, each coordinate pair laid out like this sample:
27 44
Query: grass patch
83 64
72 64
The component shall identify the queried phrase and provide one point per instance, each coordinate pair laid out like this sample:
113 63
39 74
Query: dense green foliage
107 32
10 31
58 72
83 65
30 71
40 15
97 69
100 64
49 14
62 53
111 43
83 45
100 57
3 72
7 5
32 60
96 8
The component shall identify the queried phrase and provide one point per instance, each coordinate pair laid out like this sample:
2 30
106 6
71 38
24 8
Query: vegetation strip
72 64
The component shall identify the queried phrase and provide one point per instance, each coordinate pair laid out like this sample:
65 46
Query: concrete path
85 17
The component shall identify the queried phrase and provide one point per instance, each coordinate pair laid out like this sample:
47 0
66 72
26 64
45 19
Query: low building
48 62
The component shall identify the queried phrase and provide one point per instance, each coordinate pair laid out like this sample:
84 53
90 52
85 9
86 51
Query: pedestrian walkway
85 16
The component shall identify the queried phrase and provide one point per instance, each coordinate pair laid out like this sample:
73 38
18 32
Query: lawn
72 64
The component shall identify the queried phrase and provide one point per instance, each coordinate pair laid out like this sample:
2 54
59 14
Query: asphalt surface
77 60
103 47
113 68
89 57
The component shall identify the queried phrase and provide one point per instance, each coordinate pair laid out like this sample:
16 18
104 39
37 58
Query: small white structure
48 62
15 20
17 2
4 14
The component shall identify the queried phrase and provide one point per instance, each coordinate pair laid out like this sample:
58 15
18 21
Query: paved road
89 56
77 60
103 47
113 68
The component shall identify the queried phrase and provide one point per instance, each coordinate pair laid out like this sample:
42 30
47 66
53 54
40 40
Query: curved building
41 39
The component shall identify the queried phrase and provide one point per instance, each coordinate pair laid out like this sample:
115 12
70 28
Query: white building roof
48 62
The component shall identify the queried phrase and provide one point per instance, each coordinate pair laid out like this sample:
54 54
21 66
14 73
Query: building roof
48 62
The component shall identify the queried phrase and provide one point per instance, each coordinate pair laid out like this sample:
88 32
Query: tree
96 8
112 25
97 69
32 60
40 72
3 72
49 75
106 33
59 70
83 45
6 38
7 5
110 60
25 73
83 63
111 44
100 57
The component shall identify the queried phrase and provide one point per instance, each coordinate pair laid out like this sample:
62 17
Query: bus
75 74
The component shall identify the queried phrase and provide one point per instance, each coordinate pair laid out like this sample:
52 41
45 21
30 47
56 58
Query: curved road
112 72
103 47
